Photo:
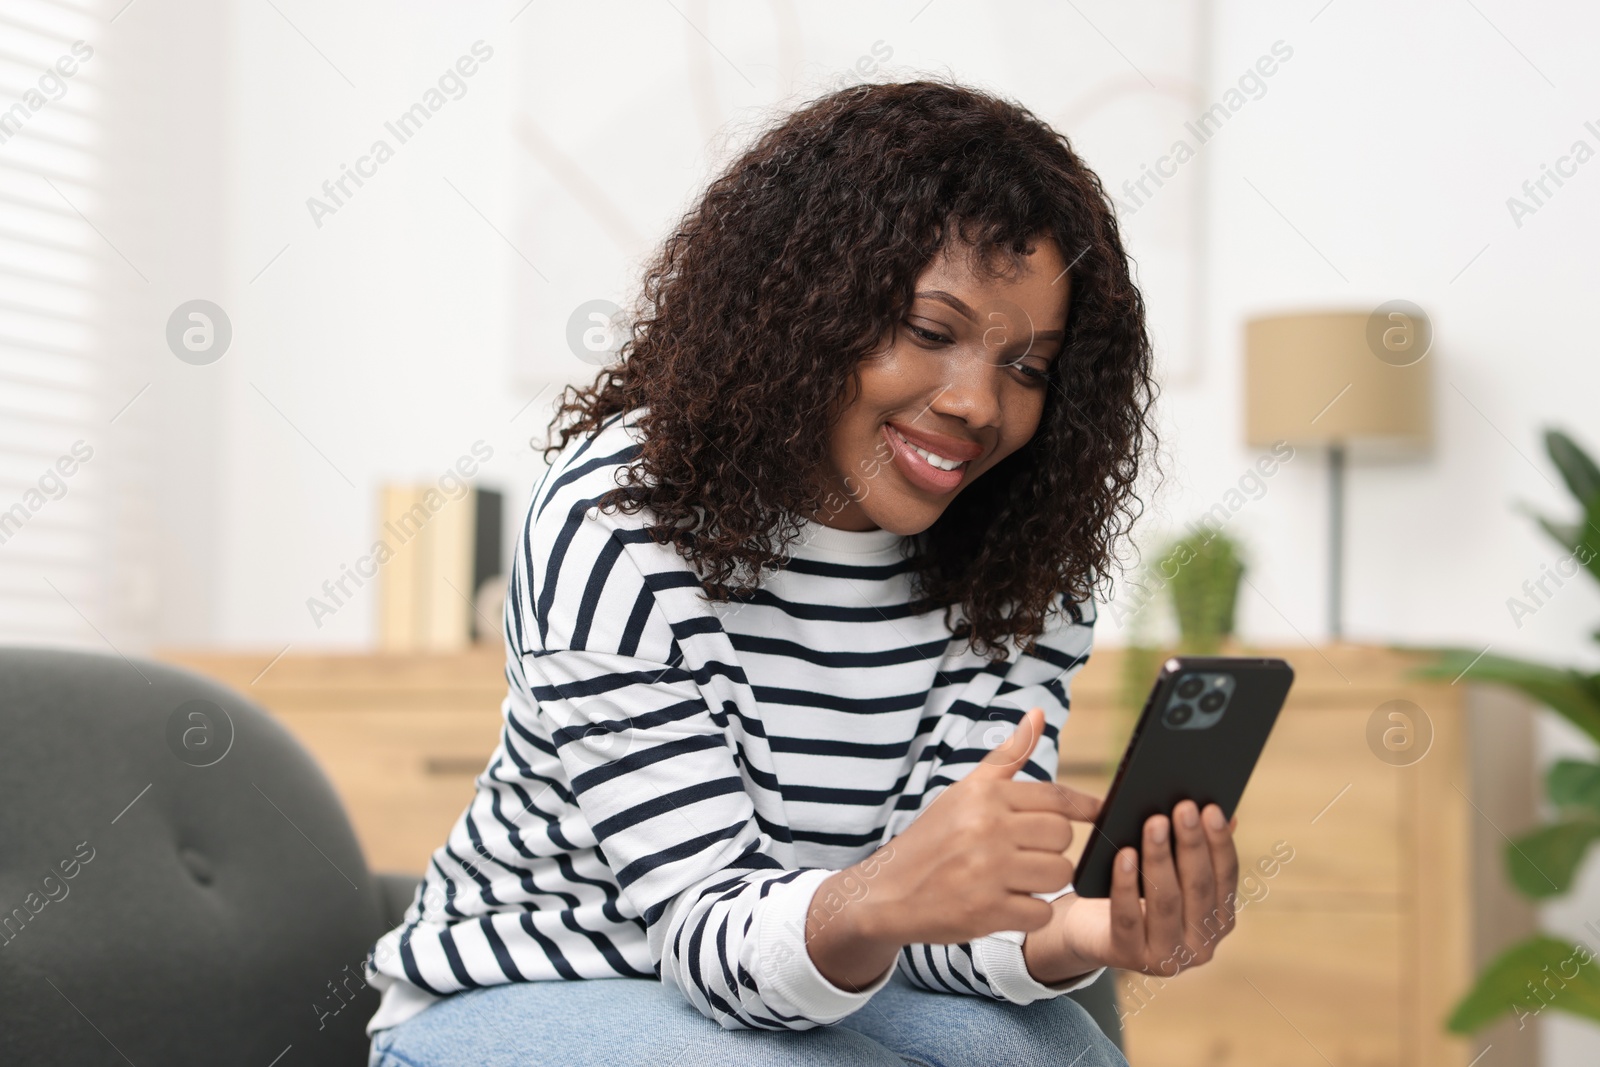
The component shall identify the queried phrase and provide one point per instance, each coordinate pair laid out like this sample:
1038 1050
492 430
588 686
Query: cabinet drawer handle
449 766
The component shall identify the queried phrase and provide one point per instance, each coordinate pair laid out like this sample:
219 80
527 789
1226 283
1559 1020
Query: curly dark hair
796 264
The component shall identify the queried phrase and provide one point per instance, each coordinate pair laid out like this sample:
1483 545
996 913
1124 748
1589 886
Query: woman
805 555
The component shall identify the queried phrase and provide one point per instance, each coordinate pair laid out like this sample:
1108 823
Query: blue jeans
616 1022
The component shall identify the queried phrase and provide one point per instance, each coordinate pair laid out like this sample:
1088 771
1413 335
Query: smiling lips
934 462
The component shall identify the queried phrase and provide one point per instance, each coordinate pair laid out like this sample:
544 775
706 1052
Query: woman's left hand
1188 907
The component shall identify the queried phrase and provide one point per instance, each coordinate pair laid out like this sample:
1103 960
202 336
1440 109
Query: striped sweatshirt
675 777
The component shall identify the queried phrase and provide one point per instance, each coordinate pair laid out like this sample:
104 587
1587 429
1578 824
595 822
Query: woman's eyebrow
951 299
965 311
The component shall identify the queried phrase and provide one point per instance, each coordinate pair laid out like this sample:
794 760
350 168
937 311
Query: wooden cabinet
1350 952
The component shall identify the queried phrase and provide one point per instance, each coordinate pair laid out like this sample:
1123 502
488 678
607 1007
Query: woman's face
958 387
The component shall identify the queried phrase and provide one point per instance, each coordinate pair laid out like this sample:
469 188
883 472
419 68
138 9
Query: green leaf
1587 547
1543 862
1573 783
1577 469
1539 973
1564 534
1583 480
1568 693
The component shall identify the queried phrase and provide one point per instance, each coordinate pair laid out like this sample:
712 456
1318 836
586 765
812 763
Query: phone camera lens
1190 687
1179 714
1213 701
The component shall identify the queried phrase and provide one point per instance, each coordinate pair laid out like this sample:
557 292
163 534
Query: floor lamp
1315 380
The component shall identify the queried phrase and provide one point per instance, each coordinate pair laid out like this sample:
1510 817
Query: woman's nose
972 388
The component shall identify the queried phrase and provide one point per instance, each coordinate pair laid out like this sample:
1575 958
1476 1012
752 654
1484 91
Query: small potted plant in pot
1201 573
1205 590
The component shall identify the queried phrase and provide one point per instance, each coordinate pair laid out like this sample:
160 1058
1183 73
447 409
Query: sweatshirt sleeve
660 782
993 966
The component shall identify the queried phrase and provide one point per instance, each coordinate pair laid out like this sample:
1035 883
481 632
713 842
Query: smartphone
1202 730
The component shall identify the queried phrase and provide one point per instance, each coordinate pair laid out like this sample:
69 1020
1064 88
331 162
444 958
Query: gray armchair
178 882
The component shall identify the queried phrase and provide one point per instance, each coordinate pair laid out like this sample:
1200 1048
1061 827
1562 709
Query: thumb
1007 758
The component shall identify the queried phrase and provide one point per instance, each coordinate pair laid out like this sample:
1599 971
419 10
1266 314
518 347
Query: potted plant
1201 574
1546 971
1205 589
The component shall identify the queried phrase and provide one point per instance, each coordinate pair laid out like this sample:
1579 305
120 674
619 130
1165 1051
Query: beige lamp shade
1314 379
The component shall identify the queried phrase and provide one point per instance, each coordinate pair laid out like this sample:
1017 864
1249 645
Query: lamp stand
1336 459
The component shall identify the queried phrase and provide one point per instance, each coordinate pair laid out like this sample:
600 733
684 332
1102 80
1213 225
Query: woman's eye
1036 374
928 337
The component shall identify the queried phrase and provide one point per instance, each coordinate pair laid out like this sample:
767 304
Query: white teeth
934 460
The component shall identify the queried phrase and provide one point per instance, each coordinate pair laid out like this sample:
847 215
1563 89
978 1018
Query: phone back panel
1166 762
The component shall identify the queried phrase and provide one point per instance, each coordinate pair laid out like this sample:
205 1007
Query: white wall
167 211
1392 141
380 335
380 341
373 347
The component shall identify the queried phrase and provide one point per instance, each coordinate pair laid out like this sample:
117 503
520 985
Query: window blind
55 520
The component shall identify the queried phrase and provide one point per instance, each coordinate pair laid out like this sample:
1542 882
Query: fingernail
1158 832
1189 816
1214 818
1127 860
